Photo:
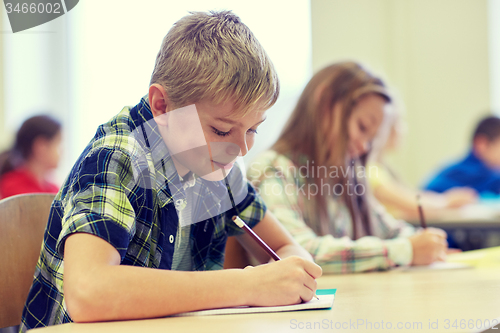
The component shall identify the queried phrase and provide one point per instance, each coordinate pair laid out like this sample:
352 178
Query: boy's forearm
98 288
128 292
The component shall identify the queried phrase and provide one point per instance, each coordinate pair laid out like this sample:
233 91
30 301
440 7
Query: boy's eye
252 131
220 133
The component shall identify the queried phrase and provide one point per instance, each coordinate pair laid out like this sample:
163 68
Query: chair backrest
23 219
236 255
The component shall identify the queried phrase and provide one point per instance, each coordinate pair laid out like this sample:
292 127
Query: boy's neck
181 169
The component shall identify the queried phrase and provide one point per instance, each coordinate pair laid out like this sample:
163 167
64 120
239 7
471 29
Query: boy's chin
217 175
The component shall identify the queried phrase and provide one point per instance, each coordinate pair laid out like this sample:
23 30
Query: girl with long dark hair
26 167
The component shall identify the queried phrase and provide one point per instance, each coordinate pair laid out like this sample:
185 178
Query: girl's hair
214 56
38 126
327 102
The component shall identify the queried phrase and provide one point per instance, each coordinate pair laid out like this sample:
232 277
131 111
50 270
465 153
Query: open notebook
326 297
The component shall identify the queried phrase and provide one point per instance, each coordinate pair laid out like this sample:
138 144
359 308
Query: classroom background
441 58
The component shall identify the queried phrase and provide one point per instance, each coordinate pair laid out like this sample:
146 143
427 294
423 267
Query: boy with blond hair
148 205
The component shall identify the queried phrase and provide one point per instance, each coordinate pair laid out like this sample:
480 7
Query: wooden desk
470 216
413 299
471 227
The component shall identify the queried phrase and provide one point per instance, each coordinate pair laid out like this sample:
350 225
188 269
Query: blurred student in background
313 178
398 198
27 166
480 168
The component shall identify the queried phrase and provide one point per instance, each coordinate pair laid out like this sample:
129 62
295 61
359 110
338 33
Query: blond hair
215 57
329 97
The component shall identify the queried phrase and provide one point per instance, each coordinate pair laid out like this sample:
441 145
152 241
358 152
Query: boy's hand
284 282
460 196
429 245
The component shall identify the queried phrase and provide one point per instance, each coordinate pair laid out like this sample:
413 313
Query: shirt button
171 239
180 204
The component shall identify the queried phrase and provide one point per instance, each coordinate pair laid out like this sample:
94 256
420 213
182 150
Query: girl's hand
460 196
429 245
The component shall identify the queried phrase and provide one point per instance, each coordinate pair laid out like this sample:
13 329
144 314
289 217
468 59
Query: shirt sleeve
439 184
388 248
97 202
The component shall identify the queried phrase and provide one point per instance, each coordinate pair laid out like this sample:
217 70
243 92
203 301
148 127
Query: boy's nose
237 149
244 150
234 149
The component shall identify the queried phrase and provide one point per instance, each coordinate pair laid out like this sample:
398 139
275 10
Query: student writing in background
27 166
141 223
480 168
312 178
398 198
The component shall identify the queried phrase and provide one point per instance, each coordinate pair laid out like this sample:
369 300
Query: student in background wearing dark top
480 169
27 166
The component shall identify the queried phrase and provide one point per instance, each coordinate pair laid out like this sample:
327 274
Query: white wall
35 77
494 48
3 135
115 42
85 66
434 53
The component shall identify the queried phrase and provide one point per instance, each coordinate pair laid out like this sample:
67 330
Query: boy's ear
159 103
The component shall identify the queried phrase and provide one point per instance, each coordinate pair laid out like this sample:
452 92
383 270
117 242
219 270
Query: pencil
421 213
239 222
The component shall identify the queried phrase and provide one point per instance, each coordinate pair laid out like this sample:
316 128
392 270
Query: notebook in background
488 257
438 265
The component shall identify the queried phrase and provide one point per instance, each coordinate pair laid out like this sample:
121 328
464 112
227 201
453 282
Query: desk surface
449 301
482 215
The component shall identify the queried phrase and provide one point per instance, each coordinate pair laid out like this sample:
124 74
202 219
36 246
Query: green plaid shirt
124 189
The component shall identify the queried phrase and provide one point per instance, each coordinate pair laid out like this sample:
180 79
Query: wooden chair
22 224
